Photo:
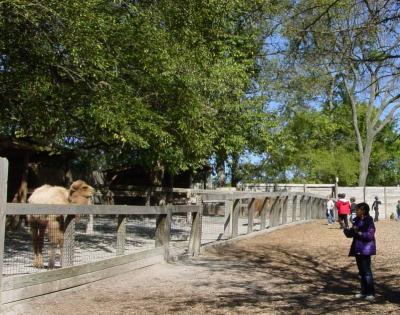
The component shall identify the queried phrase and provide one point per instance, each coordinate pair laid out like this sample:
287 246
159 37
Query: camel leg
61 253
40 243
52 234
52 254
35 241
56 237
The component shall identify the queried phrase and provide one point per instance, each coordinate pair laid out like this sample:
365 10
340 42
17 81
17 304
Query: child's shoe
370 298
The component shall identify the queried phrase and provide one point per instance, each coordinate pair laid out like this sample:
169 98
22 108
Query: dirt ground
303 269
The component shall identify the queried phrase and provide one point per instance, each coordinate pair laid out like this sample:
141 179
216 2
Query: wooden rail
26 208
276 208
19 287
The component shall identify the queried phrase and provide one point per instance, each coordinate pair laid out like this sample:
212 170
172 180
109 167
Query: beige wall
387 195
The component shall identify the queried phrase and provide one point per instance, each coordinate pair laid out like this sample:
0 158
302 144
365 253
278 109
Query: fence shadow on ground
289 282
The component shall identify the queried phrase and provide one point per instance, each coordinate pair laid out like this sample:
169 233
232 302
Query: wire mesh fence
18 254
213 227
140 233
89 245
97 243
96 237
180 233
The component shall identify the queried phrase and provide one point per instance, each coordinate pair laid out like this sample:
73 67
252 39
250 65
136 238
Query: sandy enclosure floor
303 269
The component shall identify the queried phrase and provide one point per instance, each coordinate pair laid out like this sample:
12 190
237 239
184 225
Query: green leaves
141 82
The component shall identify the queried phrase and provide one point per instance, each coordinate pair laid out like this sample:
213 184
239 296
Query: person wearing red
343 207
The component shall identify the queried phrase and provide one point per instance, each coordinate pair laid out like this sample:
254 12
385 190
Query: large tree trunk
157 179
221 176
362 178
21 194
157 174
364 152
364 161
234 170
15 221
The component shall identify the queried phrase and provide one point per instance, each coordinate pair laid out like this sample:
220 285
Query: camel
79 193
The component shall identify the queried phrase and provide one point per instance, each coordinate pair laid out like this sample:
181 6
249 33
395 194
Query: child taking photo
362 248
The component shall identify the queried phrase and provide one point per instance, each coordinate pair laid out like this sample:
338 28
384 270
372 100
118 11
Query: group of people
362 232
346 208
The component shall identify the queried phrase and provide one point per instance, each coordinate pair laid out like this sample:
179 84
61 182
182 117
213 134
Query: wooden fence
388 195
274 208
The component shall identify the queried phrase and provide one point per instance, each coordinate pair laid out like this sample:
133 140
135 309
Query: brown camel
79 193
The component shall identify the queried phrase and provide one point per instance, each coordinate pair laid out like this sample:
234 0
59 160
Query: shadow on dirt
282 281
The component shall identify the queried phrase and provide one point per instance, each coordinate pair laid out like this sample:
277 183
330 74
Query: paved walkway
303 269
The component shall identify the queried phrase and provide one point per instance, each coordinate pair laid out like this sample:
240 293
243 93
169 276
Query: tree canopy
310 87
147 82
347 51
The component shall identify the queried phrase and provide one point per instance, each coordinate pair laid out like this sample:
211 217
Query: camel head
80 193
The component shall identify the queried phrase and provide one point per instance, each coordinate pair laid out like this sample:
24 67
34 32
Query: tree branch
350 93
389 118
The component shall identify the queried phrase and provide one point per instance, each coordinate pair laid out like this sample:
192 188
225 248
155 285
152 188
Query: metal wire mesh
243 218
140 233
94 239
213 223
18 255
97 242
180 233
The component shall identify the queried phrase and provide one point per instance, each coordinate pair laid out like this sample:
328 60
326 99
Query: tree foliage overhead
347 52
310 87
148 82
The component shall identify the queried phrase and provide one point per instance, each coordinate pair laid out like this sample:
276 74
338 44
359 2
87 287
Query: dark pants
376 215
365 273
343 221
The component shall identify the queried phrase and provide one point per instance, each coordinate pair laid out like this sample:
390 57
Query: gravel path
303 269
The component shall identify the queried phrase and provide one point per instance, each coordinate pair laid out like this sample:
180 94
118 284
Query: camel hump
51 195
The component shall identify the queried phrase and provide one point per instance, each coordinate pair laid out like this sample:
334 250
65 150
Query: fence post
321 208
278 216
121 234
285 210
306 199
308 208
195 233
3 202
301 204
250 214
234 218
163 232
273 212
228 217
263 214
294 208
313 208
67 255
317 208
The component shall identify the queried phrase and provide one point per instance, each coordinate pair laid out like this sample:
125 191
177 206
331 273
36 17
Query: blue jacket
364 239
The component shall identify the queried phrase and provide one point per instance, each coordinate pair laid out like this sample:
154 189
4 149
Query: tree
156 83
353 46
